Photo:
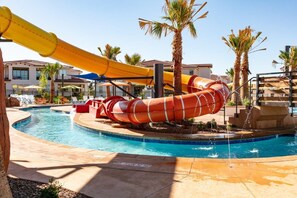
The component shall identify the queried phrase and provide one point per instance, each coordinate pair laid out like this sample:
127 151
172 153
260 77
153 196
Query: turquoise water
59 127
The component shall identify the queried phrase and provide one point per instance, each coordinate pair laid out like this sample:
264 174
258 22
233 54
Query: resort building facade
21 73
202 70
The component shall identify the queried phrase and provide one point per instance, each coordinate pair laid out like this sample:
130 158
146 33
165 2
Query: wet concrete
104 174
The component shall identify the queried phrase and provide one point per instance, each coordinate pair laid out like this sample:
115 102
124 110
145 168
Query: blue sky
91 23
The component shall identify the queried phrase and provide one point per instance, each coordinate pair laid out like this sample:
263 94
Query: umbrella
33 87
71 87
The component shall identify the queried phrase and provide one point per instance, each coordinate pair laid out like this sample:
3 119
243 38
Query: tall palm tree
110 52
289 58
50 70
180 14
236 44
4 137
134 59
249 48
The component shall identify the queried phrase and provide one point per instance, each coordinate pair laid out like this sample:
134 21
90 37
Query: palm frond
192 29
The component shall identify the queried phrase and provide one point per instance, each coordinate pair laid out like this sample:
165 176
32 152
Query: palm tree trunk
235 86
177 62
4 186
244 91
4 124
52 89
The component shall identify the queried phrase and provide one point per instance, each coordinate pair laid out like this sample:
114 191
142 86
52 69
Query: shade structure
70 87
33 87
116 83
89 76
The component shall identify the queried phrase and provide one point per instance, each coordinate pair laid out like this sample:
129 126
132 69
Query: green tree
179 15
134 59
249 48
110 52
236 44
50 71
230 73
289 58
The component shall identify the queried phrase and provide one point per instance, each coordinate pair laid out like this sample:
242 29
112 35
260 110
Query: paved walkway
104 174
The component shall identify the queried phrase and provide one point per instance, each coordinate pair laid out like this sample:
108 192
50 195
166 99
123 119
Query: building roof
33 63
26 62
150 63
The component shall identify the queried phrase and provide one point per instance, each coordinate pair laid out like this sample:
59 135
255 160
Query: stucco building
202 70
22 73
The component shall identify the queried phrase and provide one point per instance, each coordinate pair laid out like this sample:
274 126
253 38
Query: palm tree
134 59
248 48
236 44
230 73
4 125
4 186
110 52
289 58
50 70
180 14
4 137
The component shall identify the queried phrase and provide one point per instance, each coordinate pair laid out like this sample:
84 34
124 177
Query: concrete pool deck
103 174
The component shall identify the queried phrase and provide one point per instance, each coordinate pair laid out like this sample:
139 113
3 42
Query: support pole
63 84
158 79
95 89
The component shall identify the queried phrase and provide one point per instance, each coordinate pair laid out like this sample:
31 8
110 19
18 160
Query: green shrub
201 126
230 103
46 95
229 127
52 190
246 102
56 100
212 124
190 120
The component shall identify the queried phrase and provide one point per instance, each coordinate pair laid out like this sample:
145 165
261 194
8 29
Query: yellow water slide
49 45
205 96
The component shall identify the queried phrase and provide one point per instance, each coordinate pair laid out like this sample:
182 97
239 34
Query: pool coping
57 156
81 124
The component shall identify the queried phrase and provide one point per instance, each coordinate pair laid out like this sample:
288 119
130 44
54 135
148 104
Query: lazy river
59 128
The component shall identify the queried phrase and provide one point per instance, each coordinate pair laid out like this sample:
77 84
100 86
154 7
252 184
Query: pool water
58 127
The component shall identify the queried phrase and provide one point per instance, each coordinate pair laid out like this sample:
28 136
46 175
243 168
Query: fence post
236 105
257 90
251 92
290 89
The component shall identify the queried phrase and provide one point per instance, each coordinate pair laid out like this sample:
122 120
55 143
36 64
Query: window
191 72
38 72
20 73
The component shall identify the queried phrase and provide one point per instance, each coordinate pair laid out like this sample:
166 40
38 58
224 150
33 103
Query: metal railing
237 93
260 81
